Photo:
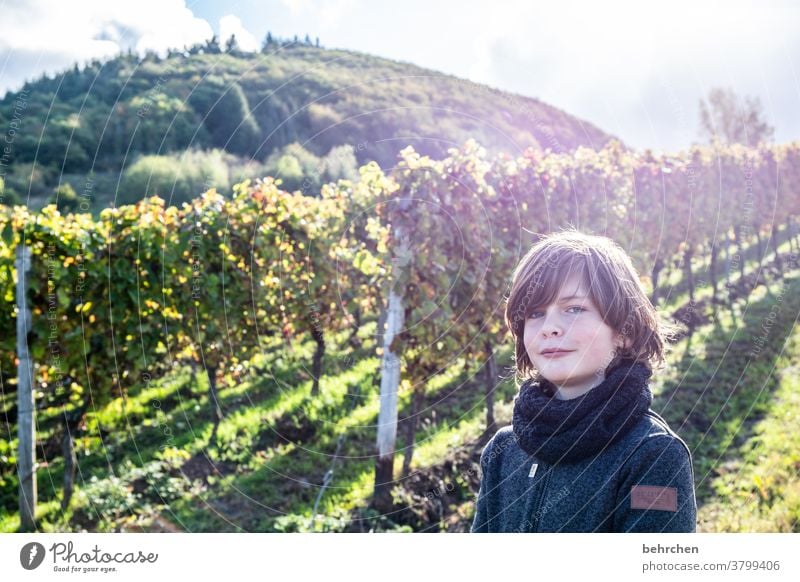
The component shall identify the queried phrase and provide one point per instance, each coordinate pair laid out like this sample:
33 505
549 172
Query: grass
758 488
299 470
728 384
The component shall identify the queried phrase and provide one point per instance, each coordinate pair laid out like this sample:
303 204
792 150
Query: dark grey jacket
643 482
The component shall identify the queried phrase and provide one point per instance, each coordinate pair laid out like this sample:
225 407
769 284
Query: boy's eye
534 314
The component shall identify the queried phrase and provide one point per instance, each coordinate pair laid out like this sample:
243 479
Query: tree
196 49
226 115
231 46
267 42
8 196
153 175
728 118
65 198
177 179
212 45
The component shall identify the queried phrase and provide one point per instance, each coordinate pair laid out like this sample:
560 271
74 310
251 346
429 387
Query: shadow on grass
677 293
290 481
717 399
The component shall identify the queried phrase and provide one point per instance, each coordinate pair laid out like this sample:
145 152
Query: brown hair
613 285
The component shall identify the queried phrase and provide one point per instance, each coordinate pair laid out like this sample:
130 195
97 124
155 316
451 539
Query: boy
584 453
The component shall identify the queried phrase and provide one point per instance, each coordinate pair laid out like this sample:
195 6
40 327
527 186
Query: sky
635 69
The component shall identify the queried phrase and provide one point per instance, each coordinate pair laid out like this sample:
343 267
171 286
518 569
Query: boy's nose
550 329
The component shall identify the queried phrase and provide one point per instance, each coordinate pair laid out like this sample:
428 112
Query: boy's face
574 325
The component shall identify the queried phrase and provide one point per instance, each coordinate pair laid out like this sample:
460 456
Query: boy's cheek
527 339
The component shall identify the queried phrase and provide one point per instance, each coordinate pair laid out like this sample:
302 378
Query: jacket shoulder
502 440
658 427
653 433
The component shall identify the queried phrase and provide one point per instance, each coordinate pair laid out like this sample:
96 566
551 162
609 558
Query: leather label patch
650 497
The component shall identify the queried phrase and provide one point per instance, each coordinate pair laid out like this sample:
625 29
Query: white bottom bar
400 557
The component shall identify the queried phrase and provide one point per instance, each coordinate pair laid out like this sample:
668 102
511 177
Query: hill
306 112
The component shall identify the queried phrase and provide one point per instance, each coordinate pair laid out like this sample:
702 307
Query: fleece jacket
642 482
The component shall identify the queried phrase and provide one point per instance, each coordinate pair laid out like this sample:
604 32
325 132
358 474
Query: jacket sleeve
480 524
656 491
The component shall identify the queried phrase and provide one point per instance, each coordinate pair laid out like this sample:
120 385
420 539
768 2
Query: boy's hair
613 285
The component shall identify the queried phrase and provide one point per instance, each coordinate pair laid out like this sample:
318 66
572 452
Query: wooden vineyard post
390 384
26 456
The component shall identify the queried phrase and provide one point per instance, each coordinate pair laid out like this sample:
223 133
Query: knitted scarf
565 431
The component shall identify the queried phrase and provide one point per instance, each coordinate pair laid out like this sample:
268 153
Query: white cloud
49 35
231 24
632 69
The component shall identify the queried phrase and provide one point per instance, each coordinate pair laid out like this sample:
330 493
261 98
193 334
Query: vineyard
276 361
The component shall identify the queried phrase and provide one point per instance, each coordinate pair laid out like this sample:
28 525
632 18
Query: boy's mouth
554 351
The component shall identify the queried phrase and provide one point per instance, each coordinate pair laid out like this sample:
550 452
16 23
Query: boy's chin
566 376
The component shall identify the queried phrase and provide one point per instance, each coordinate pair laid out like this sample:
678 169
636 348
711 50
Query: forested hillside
116 130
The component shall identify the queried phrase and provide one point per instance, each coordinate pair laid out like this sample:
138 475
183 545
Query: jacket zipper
536 514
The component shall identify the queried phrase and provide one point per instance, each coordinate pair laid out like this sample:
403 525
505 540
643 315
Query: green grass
721 392
758 489
257 500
